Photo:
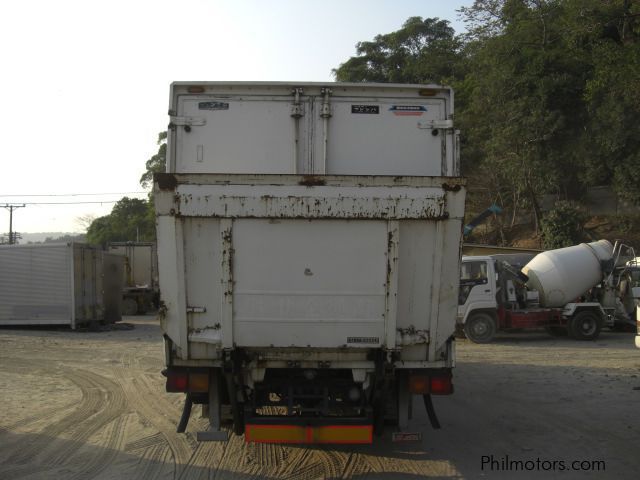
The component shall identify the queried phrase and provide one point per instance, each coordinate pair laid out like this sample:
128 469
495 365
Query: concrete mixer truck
576 290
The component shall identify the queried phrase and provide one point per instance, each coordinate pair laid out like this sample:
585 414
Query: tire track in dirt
315 462
234 461
11 367
108 452
148 403
205 455
108 403
102 402
146 442
154 460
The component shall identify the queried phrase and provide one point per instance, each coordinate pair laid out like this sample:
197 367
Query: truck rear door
416 140
239 133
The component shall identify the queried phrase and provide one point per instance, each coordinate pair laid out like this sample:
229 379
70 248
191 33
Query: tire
129 306
480 328
585 325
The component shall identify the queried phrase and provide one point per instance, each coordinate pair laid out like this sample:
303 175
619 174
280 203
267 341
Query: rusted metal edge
169 181
165 181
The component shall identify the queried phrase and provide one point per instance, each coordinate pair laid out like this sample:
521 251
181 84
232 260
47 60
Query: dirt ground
84 405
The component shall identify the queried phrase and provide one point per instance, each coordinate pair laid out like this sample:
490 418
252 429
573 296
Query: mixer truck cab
477 305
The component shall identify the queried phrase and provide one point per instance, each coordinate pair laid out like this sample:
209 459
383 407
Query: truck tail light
429 383
198 382
441 385
177 381
419 384
182 380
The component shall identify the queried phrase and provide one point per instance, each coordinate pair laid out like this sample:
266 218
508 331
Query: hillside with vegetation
547 103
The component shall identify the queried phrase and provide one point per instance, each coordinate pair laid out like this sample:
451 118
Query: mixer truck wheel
480 328
585 325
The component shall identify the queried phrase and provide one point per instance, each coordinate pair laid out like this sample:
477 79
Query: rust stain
165 181
311 181
451 188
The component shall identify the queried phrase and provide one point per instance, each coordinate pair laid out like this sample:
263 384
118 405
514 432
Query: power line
71 203
70 194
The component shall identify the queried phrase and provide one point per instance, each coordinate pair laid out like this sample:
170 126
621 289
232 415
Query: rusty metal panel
171 268
296 201
391 310
251 270
226 295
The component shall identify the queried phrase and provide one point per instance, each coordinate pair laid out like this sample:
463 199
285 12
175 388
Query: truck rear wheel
585 325
480 328
129 306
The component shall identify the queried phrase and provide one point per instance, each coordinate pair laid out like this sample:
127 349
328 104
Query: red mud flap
337 434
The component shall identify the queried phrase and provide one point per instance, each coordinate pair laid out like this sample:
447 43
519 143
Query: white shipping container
51 284
141 266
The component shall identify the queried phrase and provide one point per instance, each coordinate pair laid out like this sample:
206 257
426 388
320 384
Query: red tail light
177 381
441 385
435 382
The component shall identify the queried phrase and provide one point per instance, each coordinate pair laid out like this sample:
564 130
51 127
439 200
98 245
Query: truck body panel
329 266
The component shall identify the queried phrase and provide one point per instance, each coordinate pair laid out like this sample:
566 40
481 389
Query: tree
610 33
131 219
563 226
157 163
525 112
422 51
85 221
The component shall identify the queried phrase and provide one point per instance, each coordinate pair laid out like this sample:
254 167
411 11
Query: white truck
575 290
309 243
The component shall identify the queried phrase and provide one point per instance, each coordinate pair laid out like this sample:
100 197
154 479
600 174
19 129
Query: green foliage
525 106
130 219
626 223
156 163
563 226
422 51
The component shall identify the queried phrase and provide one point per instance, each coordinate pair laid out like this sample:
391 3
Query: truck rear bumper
309 430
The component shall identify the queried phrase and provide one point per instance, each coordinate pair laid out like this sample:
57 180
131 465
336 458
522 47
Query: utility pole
11 207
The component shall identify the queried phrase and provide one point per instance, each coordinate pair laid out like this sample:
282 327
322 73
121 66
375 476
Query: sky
85 83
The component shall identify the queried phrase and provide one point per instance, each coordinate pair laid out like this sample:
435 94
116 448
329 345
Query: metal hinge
297 109
325 112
